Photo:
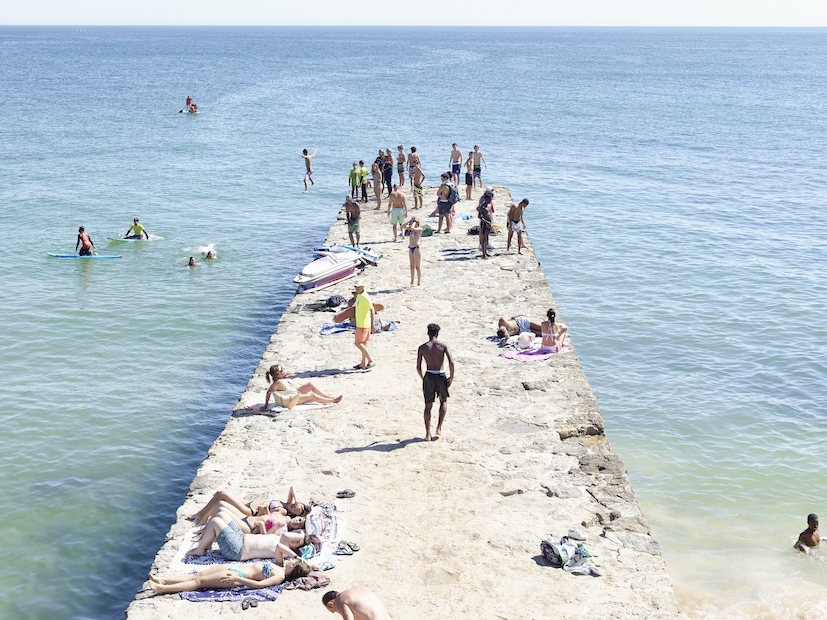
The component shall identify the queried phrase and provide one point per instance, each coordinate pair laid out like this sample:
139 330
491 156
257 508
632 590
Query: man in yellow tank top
365 317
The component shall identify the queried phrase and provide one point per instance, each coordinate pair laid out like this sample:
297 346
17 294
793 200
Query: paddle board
79 256
310 288
350 313
338 248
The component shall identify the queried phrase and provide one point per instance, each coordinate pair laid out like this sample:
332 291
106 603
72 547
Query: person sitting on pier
288 394
273 523
236 546
553 333
292 507
517 325
221 576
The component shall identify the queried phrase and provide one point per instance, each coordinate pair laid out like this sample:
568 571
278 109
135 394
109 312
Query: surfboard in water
79 256
125 239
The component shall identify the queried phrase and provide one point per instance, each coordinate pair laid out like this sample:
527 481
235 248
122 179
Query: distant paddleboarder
85 243
136 231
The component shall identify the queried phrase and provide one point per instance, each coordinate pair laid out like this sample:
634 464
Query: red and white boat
328 270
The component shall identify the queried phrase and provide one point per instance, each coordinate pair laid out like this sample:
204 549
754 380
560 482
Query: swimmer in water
192 262
210 255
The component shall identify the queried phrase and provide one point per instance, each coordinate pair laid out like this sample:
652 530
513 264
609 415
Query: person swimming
210 255
192 262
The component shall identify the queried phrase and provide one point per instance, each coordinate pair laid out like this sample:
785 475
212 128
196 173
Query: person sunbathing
273 523
517 325
553 333
292 507
287 393
221 576
235 545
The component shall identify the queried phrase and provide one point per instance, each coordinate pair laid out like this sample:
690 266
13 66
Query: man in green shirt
354 181
364 173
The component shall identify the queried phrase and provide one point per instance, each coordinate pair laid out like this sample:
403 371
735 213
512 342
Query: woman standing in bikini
414 232
376 172
553 333
221 576
401 158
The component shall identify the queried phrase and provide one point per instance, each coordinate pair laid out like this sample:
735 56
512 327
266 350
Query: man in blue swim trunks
397 209
479 160
455 163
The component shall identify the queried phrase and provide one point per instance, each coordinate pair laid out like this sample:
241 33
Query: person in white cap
365 318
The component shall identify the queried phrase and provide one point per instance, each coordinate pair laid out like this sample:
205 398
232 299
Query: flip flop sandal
353 546
253 602
343 549
245 604
347 493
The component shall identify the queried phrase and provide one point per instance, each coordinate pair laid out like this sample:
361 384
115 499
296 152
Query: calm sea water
677 197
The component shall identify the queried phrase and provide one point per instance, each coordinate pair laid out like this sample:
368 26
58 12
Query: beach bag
474 230
427 231
453 195
335 301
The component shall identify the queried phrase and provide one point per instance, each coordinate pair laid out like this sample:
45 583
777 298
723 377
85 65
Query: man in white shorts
516 224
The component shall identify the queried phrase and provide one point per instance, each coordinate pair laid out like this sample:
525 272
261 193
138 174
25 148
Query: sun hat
358 284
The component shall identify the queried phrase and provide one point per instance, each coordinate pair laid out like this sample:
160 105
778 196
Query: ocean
677 187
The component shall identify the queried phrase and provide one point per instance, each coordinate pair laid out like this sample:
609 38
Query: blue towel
234 594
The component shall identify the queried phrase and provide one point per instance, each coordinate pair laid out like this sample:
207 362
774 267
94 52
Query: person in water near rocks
85 242
308 163
516 325
353 214
136 231
357 603
222 576
516 224
434 381
192 262
810 537
210 255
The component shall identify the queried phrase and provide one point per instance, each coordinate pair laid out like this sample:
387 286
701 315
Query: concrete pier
451 528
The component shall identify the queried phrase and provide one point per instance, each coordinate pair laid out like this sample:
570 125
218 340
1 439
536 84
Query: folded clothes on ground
338 328
315 579
570 555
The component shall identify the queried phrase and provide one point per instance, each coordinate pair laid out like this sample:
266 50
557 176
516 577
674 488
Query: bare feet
338 399
438 432
196 552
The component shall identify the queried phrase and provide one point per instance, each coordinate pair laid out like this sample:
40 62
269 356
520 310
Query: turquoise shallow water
677 187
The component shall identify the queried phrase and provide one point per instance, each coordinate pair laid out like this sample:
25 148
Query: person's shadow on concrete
377 446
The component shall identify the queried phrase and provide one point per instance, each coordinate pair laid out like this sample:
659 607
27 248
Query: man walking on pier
353 214
434 381
397 209
365 321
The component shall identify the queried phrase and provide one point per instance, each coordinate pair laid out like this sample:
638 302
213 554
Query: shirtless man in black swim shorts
434 381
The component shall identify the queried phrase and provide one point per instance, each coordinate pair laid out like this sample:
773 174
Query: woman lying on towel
292 507
288 394
256 575
235 545
273 523
553 333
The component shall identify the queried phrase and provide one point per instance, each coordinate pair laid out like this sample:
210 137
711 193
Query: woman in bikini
401 158
413 230
292 507
237 546
273 523
221 576
288 394
376 173
553 333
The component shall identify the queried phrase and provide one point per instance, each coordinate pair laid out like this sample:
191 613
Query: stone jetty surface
451 528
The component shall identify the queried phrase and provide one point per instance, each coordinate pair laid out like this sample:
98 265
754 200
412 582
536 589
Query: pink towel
531 355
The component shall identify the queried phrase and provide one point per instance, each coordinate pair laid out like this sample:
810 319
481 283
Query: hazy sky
419 12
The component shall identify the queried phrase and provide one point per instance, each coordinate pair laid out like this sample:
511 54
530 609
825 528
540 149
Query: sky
417 12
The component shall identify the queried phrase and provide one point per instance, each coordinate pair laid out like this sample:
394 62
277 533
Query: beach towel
338 328
532 355
273 409
316 579
236 594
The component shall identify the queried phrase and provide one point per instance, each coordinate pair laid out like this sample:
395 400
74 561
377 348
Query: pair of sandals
346 494
249 602
360 367
347 548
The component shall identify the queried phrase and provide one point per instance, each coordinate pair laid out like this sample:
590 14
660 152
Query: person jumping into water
136 231
308 162
85 242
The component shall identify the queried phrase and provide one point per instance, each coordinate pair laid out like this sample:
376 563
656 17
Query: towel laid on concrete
347 326
234 594
272 409
533 355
